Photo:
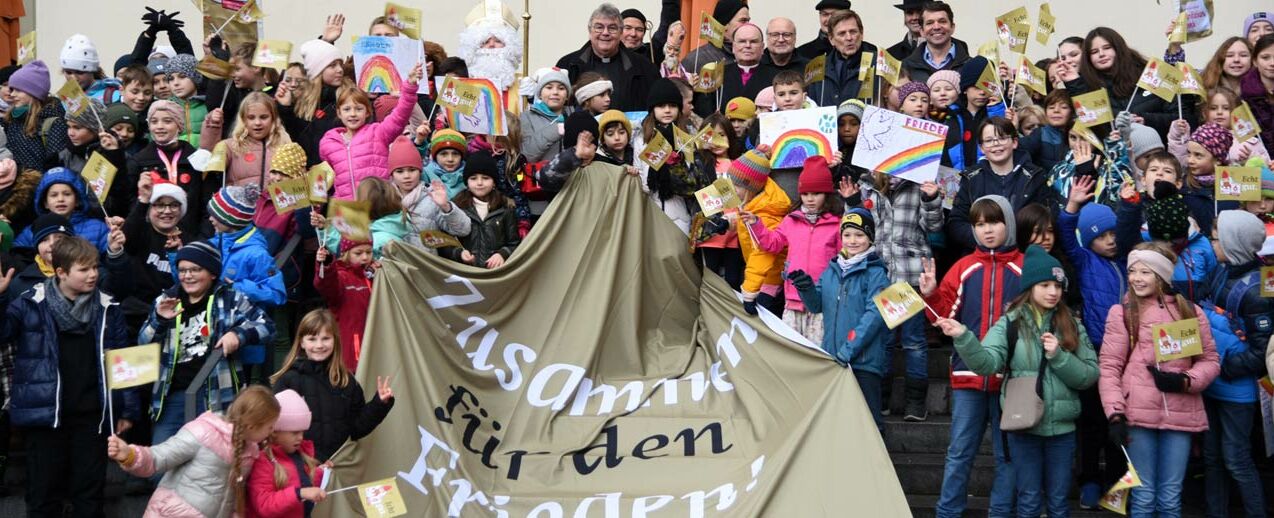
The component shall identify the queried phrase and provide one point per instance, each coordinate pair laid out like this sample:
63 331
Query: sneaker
916 413
1089 495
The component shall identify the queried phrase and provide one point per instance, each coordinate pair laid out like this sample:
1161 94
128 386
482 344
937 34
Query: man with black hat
632 33
731 14
911 19
822 45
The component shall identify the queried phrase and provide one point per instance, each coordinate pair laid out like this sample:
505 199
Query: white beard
498 65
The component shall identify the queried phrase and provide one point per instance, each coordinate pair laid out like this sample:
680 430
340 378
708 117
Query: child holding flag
285 478
1221 104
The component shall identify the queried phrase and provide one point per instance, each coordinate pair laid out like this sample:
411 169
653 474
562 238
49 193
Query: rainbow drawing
793 147
911 159
379 75
488 115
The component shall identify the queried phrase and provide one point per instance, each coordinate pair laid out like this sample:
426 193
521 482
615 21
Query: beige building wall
558 26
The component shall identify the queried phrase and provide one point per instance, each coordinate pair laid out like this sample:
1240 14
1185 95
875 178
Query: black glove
716 225
169 22
219 48
801 280
750 307
1117 430
152 19
1168 381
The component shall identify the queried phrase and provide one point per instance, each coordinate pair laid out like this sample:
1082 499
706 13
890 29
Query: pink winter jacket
196 467
809 247
1128 388
367 154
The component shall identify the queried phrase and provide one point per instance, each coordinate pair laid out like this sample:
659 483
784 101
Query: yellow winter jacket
763 268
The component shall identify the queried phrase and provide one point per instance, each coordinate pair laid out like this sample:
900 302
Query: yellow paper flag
1238 184
989 80
1267 281
405 18
1116 500
1243 124
710 77
250 12
1088 135
99 174
1178 339
215 69
1018 16
1191 82
350 218
681 139
711 30
320 181
459 96
73 98
1046 25
888 68
381 499
217 162
865 66
718 197
990 50
132 366
816 70
898 303
1013 35
1179 27
868 88
438 239
289 195
706 136
272 54
26 48
656 152
1160 79
1092 108
1032 76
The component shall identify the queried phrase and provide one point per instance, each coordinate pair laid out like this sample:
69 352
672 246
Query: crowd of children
1051 270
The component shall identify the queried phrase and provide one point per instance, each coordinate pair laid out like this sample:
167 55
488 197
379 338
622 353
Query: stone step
921 473
937 400
929 436
923 506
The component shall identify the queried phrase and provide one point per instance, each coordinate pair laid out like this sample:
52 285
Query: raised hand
216 117
284 95
144 185
585 147
422 132
416 72
383 392
229 343
801 280
115 241
1081 193
837 158
438 193
108 141
847 188
333 28
167 308
317 220
1050 345
930 189
928 277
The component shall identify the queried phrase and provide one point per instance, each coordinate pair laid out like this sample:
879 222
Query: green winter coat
196 112
1065 375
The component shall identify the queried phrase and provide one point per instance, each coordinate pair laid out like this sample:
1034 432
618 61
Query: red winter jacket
348 293
264 500
975 291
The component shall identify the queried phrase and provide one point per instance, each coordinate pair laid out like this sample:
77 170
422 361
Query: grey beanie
1142 139
1010 218
90 117
1241 234
184 64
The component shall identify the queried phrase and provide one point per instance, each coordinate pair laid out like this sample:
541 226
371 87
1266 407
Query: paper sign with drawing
796 135
898 145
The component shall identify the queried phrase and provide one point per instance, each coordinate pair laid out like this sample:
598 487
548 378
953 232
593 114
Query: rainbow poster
799 134
488 113
898 145
382 63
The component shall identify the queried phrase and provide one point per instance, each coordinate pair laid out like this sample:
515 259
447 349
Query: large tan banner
598 375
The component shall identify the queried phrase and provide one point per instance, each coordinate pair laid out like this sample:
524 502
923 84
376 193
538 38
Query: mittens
801 280
750 307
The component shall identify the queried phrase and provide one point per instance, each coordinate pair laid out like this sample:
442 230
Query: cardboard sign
73 98
888 68
711 30
1238 183
458 96
272 54
1045 26
320 181
1191 82
1199 16
132 366
1243 124
1267 281
949 182
710 77
382 499
289 195
899 145
438 239
1116 500
1178 34
99 174
406 19
1092 108
898 303
350 218
656 152
718 197
215 69
796 135
1176 340
1160 79
816 70
26 48
1031 76
382 63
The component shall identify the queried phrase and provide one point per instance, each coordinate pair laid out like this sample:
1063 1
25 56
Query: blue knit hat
202 254
971 71
1095 219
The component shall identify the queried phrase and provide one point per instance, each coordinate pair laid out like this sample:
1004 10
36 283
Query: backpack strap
1234 299
45 126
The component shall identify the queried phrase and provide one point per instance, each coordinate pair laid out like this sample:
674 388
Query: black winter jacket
337 414
1027 184
497 233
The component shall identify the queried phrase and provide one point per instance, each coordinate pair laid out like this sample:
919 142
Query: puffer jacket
763 270
249 164
28 324
853 331
425 215
1241 389
384 230
1195 257
196 111
348 292
1101 281
1047 146
1065 374
338 413
1240 295
1252 89
1128 388
264 499
809 247
904 219
367 152
498 233
1114 170
541 138
249 266
975 291
40 150
196 466
86 226
108 90
961 149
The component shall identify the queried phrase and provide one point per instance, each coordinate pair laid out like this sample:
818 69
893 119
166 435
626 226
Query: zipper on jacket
349 161
986 380
108 407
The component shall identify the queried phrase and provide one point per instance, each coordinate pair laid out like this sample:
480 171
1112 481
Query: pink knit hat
349 244
1214 138
294 414
949 76
403 153
765 99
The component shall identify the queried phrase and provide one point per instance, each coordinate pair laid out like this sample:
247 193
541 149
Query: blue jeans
869 382
173 415
1042 471
911 336
1227 452
1159 456
971 411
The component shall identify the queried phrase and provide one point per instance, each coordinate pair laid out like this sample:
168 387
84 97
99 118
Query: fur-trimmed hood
21 193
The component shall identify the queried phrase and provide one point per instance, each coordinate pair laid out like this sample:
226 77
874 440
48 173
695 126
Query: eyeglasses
161 207
781 35
599 28
190 271
995 141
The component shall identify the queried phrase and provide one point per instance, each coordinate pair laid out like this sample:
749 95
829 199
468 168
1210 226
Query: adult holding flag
850 56
1107 62
745 77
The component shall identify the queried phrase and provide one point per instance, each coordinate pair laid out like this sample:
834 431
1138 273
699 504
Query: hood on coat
21 193
1010 218
62 175
215 433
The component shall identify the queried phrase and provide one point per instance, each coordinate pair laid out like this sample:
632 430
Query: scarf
1206 180
849 262
544 109
18 112
71 316
45 267
410 199
810 215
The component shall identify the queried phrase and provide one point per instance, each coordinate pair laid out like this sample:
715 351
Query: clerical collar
604 60
748 68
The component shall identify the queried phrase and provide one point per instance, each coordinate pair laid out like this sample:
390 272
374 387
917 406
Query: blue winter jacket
249 267
1046 145
853 331
1236 390
85 226
1102 281
961 150
1239 294
37 382
100 87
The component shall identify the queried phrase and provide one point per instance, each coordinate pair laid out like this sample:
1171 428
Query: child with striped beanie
245 256
765 201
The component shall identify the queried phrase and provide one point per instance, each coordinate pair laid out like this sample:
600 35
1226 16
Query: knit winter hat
157 65
551 75
1039 266
1267 179
609 117
170 190
79 54
234 206
853 107
317 55
749 172
447 139
203 254
1095 219
119 113
726 9
664 91
740 108
815 177
289 159
403 153
1255 18
911 88
480 162
171 108
7 72
944 76
1167 216
971 71
1241 234
576 123
860 218
1214 138
350 244
32 78
294 414
48 224
90 116
184 64
1143 139
765 98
